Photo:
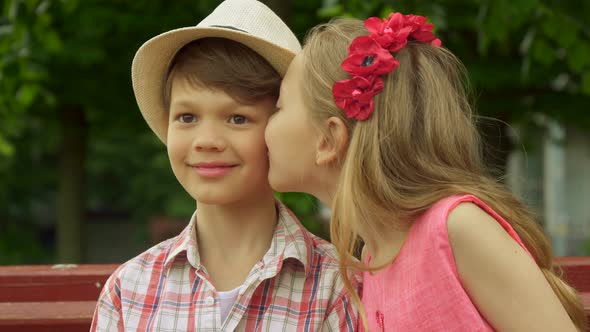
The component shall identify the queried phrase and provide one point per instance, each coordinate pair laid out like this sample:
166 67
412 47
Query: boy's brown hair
217 63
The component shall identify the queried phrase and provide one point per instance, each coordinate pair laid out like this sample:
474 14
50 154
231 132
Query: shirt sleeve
107 314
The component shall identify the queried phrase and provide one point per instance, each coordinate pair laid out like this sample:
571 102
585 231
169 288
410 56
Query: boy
244 262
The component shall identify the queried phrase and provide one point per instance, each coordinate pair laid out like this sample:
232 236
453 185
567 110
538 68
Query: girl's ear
332 144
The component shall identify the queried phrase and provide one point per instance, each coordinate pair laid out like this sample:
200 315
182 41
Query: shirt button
209 300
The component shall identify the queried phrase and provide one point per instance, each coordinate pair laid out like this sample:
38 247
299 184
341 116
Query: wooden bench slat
40 283
57 270
576 271
46 313
81 327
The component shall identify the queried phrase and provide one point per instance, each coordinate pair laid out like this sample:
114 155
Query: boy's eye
186 118
238 119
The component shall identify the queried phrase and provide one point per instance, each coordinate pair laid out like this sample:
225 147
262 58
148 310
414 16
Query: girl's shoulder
459 207
467 216
471 224
447 204
460 221
434 220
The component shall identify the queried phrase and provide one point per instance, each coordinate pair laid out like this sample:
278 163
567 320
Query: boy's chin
213 200
227 199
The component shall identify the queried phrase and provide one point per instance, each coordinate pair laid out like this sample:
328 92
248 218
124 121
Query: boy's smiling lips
212 164
212 169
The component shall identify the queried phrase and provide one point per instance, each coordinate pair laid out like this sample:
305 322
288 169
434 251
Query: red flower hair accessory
367 57
370 57
355 96
392 34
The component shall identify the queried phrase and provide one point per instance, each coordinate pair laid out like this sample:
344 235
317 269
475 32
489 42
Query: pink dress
421 290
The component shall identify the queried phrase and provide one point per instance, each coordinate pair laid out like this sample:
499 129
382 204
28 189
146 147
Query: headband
370 57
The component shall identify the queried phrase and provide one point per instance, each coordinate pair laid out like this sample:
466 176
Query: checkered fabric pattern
295 287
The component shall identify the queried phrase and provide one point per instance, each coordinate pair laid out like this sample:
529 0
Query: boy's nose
209 139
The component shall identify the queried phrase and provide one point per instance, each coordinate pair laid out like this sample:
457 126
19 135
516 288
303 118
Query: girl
374 120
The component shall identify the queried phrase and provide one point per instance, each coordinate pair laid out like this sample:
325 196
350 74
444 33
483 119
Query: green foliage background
524 57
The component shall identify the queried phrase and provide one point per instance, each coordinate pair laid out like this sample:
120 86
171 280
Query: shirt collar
290 241
185 244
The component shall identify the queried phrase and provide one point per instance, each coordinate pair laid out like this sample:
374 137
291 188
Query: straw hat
245 21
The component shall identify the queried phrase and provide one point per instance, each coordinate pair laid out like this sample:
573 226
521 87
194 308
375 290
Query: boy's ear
332 144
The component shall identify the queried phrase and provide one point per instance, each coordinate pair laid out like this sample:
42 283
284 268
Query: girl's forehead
294 76
295 68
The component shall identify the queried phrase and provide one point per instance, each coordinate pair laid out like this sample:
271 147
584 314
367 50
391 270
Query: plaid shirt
295 287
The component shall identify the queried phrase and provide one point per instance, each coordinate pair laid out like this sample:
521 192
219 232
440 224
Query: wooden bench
576 271
62 297
50 297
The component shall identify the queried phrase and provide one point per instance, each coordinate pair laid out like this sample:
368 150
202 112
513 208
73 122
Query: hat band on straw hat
228 27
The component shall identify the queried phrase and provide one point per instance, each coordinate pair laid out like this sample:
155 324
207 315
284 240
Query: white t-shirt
227 300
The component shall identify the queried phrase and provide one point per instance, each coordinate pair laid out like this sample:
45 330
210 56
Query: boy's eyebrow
183 104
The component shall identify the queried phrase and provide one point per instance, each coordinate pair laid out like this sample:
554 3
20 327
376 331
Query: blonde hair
419 146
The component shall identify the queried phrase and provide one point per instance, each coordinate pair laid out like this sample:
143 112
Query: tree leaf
330 11
6 30
69 6
26 94
52 42
542 52
560 29
586 84
578 56
6 149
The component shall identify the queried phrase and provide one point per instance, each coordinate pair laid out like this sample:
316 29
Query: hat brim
151 62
